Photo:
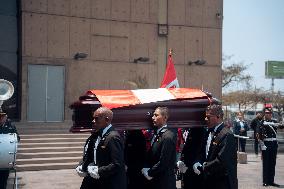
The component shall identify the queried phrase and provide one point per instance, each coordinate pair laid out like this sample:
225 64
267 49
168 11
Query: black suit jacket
190 152
110 161
162 160
220 169
237 128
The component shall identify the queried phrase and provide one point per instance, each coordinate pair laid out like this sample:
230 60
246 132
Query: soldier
5 128
268 143
255 125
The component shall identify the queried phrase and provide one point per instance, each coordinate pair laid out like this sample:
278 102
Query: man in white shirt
218 159
107 169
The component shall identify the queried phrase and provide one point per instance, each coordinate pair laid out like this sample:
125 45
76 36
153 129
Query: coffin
133 109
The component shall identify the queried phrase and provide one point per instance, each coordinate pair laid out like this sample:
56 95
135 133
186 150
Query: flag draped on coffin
170 78
122 98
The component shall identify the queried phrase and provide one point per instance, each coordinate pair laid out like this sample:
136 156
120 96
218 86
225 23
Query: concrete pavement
249 175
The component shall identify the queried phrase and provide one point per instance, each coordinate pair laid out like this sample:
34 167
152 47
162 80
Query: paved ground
249 175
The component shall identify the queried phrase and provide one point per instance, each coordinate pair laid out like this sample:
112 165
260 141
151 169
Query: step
47 166
50 144
50 149
48 160
71 135
46 140
49 154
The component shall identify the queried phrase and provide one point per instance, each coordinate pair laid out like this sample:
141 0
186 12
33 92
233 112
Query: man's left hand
145 173
93 171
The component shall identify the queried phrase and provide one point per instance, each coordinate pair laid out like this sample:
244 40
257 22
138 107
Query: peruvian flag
170 78
121 98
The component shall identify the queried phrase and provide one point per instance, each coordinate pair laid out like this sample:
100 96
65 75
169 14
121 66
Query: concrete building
62 48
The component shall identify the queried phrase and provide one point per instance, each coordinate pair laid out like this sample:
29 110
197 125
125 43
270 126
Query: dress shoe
264 184
274 184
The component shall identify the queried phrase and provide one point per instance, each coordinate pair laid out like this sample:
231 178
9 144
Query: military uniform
5 128
267 137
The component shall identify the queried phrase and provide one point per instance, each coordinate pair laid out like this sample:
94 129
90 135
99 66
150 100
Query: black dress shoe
264 184
274 184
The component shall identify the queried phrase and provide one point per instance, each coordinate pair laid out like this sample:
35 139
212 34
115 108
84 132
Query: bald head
105 112
102 117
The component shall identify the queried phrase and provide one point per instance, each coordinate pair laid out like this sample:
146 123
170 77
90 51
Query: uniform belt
270 139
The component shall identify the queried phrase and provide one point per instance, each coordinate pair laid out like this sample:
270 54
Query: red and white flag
170 78
122 98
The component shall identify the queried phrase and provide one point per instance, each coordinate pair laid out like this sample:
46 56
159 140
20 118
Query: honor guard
268 143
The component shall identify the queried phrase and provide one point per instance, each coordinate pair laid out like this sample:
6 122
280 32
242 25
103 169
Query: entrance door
45 93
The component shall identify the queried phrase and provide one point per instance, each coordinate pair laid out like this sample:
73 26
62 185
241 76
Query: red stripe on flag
170 75
184 93
115 98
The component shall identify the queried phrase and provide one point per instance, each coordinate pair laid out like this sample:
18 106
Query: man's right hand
80 172
195 168
181 167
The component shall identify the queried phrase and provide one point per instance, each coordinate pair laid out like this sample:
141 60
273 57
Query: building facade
69 46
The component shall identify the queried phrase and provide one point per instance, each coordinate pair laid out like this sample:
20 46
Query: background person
240 128
255 123
6 127
267 138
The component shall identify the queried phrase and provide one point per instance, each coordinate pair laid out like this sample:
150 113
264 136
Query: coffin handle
148 113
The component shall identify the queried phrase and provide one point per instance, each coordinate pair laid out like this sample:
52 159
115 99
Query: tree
234 73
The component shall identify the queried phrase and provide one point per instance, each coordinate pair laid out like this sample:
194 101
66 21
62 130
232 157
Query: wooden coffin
187 108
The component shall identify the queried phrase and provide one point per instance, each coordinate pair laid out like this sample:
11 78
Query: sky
253 33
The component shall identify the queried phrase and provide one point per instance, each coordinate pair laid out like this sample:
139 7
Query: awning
121 98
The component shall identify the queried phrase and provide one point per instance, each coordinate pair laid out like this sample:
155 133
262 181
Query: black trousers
241 147
4 174
269 161
255 146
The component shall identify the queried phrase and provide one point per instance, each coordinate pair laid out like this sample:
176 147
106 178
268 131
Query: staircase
49 148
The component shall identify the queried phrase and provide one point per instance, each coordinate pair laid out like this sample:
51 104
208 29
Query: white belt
270 139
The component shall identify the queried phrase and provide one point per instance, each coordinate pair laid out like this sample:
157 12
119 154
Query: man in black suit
160 170
190 152
108 168
88 158
255 123
218 160
135 154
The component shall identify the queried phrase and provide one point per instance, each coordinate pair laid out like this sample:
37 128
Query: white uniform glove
80 172
262 146
181 166
145 173
93 171
195 168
